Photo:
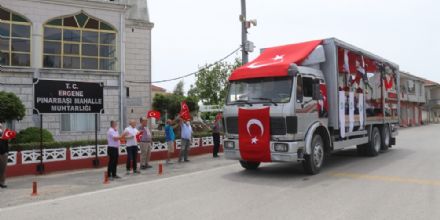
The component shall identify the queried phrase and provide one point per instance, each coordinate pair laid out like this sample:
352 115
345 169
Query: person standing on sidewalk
169 138
132 146
113 144
4 150
186 134
216 135
145 143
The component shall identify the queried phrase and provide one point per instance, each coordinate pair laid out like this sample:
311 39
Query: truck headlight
229 144
281 147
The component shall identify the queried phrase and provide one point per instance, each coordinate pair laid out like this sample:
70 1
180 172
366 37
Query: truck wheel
386 138
313 162
249 165
373 147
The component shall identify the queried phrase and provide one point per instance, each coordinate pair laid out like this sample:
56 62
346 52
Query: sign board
51 96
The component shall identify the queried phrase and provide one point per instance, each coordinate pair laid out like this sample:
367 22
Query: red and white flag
254 134
218 117
139 136
8 134
153 114
184 111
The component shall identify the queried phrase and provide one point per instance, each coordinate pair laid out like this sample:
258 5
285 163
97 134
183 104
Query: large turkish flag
254 134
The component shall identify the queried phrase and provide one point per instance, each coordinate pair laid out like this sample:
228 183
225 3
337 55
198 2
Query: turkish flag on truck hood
254 134
275 61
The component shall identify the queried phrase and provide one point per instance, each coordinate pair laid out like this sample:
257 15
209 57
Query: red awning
275 61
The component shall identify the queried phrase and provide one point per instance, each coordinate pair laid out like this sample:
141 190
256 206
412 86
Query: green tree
170 104
179 90
11 107
212 82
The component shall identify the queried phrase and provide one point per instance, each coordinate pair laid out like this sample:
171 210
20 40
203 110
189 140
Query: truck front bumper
294 151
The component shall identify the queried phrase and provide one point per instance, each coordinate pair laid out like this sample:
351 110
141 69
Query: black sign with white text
52 96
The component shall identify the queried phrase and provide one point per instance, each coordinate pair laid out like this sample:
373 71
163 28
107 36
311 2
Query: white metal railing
86 152
12 158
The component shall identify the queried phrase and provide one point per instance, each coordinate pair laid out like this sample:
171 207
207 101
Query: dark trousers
132 152
113 156
216 139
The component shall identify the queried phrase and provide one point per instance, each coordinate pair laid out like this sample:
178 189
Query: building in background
412 99
105 41
432 101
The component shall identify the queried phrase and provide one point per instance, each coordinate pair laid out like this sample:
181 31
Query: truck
302 102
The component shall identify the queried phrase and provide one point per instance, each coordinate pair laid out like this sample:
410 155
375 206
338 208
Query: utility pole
243 19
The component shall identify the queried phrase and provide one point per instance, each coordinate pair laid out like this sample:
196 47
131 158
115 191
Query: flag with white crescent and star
8 134
153 114
254 134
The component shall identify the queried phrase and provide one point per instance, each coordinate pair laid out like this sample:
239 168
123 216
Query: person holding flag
186 132
5 135
169 138
216 127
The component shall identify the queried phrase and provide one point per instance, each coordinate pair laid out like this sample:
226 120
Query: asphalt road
403 183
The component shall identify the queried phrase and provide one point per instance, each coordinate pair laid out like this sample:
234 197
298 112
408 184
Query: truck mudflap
279 151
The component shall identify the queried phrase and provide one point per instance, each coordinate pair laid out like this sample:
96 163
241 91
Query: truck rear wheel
373 147
249 165
386 138
313 162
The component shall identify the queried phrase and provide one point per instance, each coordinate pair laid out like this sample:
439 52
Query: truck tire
386 138
312 163
373 147
249 165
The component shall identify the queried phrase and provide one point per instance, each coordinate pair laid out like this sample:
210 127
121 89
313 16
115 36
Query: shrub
32 134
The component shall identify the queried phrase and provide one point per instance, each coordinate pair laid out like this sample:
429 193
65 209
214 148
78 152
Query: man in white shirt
132 146
186 136
113 150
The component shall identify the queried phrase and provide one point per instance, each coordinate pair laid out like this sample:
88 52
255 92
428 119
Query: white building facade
80 40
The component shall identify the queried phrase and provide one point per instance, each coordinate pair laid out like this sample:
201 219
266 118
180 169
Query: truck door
306 107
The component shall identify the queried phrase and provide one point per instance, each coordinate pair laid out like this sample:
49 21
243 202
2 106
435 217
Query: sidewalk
62 184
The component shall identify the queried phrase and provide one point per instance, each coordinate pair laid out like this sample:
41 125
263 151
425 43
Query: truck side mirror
316 90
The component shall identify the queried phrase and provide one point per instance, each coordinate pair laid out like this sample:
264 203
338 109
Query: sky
189 34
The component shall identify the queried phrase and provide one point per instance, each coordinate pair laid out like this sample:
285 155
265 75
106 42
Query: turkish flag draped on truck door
254 134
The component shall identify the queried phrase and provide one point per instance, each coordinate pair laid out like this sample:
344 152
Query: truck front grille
277 125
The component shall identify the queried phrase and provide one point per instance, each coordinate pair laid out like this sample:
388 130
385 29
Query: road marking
113 188
388 178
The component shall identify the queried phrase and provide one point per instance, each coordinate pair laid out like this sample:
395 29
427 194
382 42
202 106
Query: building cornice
117 5
139 24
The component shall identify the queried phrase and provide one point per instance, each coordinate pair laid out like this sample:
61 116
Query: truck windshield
261 90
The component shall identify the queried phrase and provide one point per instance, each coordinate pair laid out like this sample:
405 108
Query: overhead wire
189 74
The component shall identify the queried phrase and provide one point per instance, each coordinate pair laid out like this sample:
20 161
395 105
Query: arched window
15 39
79 42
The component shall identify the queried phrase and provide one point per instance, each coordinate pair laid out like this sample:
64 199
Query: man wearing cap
4 150
145 143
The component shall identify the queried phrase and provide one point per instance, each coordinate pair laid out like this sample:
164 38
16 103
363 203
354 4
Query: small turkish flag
254 134
153 114
139 136
185 116
9 134
184 111
218 117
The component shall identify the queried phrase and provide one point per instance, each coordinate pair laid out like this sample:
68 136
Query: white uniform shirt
131 136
